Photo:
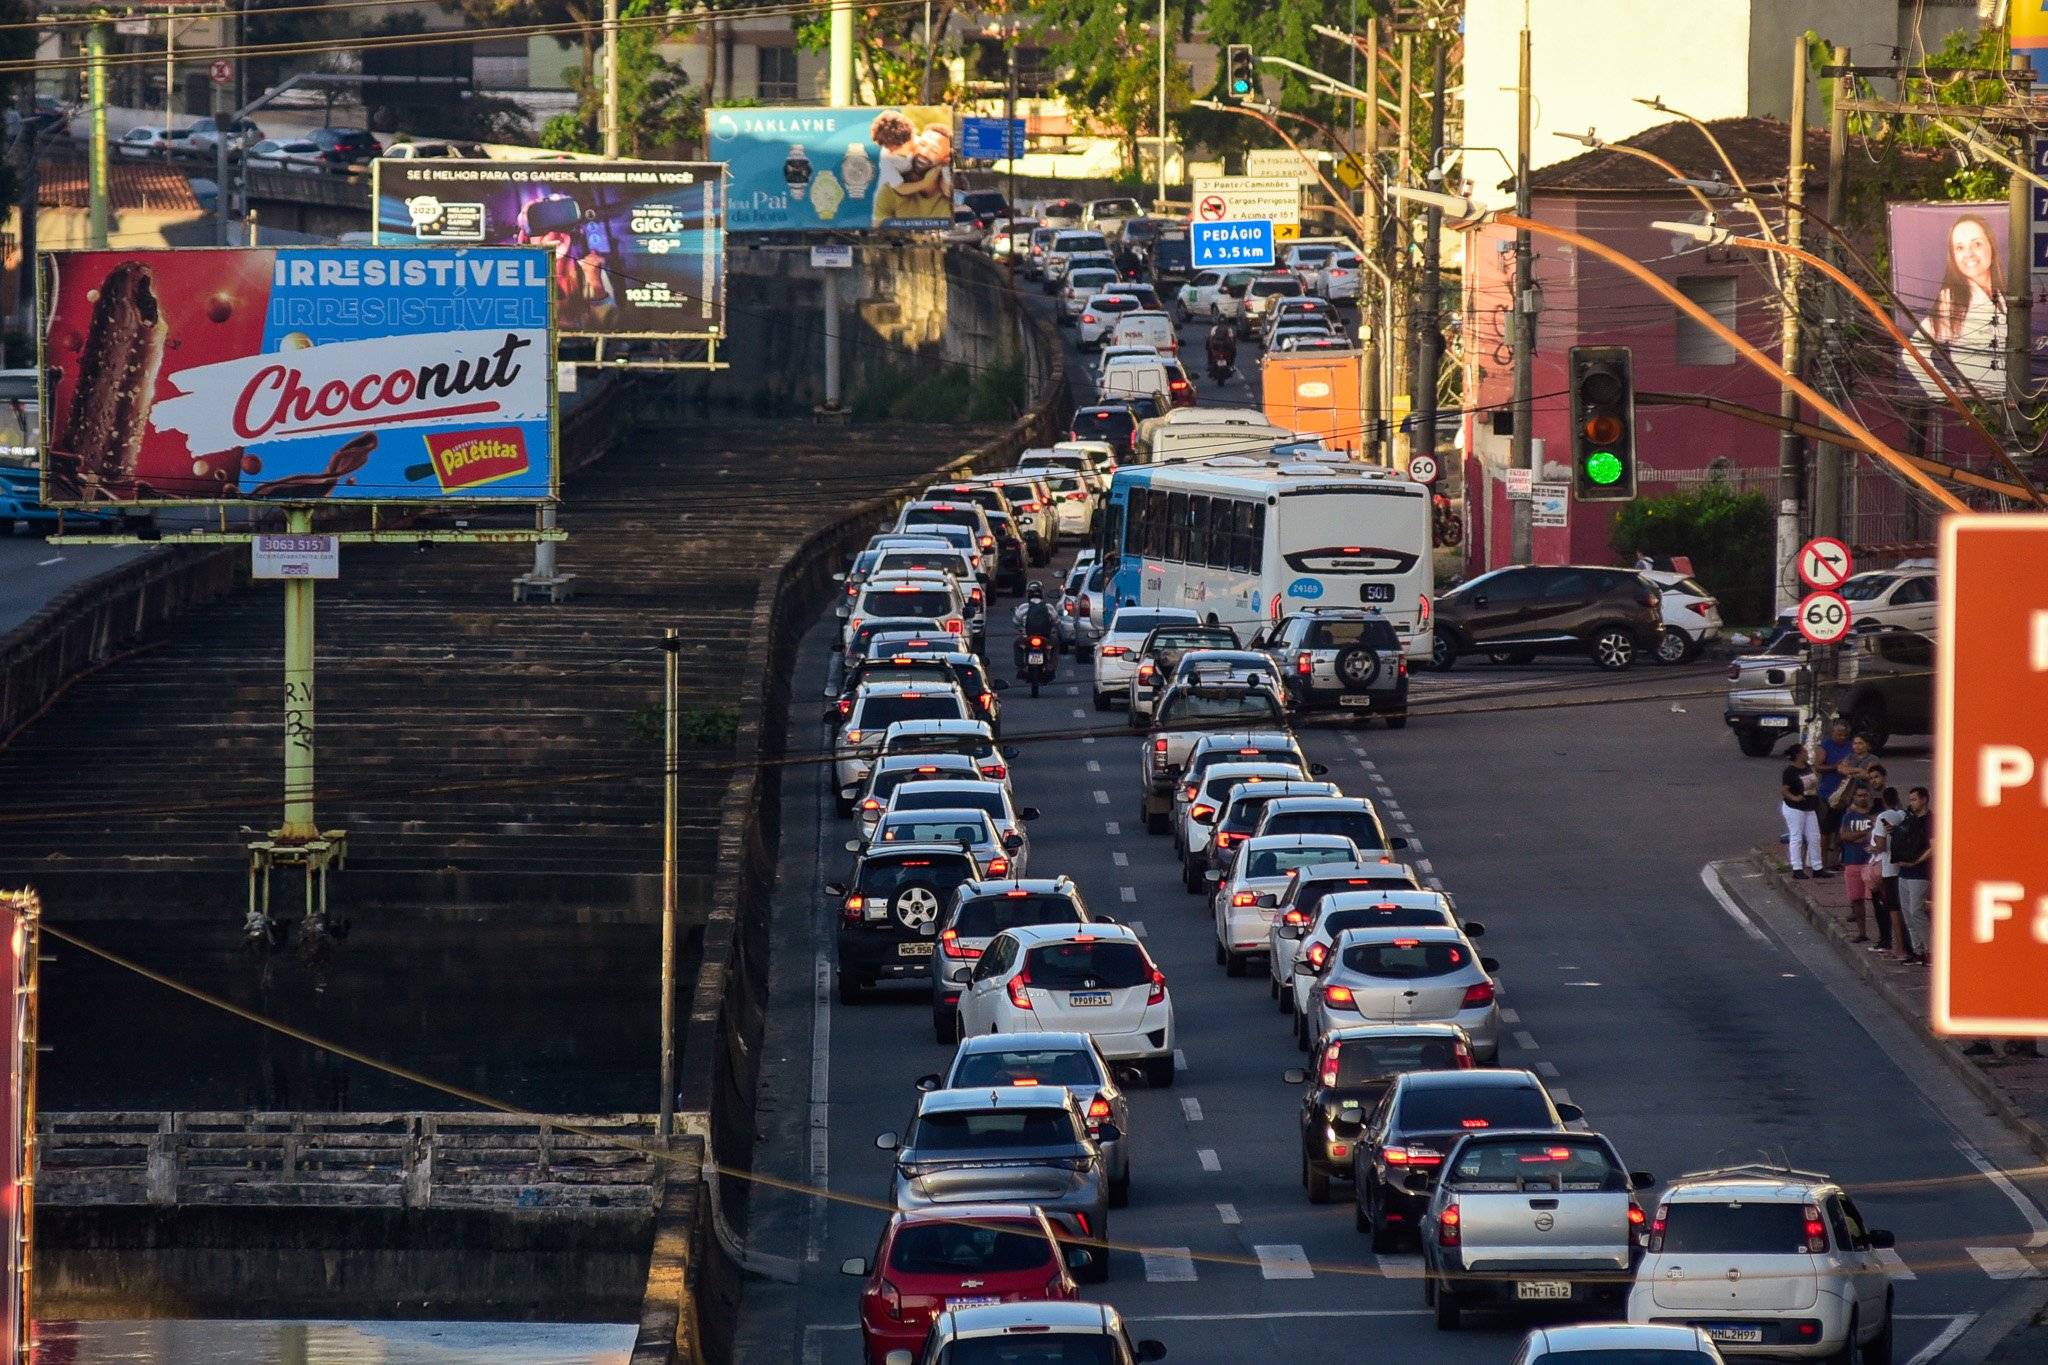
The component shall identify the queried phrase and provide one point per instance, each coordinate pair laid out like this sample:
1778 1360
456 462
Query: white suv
1116 653
1095 979
1767 1261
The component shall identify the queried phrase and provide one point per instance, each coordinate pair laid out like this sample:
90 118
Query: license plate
1543 1289
1773 722
1354 700
913 950
1737 1335
1088 997
1376 592
972 1303
1034 658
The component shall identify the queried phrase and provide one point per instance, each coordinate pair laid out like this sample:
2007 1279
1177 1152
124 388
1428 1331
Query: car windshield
887 876
1370 1059
1245 810
989 800
902 668
1450 1108
1045 1127
1279 862
1085 965
877 713
1132 621
1393 917
1358 826
899 625
1345 634
987 916
1046 1066
1867 587
1406 959
974 746
1194 637
944 561
954 827
1745 1227
887 782
1114 426
1552 1163
1039 1348
910 601
1234 705
1313 894
1261 289
982 1247
968 517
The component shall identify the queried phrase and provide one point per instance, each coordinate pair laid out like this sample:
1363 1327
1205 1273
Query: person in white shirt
1892 939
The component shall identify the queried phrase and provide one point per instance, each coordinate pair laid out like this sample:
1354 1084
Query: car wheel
1222 956
1398 721
1448 1318
1301 1033
1097 1269
851 992
845 807
1191 876
1159 1072
1120 1191
1614 649
1384 1240
1869 718
1234 964
1272 987
1443 652
915 905
945 1028
1846 1354
1101 702
1878 1350
1316 1182
1757 743
1361 1217
1674 646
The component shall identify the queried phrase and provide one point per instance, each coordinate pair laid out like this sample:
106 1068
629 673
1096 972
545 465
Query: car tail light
1245 898
892 1301
1339 998
853 736
853 589
1303 664
1422 612
871 804
1157 996
1020 990
1318 954
1113 651
988 699
1699 608
1000 867
951 946
1646 595
1224 840
1201 813
1145 671
1087 317
1329 1076
1037 640
1635 1214
1077 497
1447 1226
1463 1053
1159 745
988 542
1098 1109
1816 1232
1082 608
1657 1229
995 772
1404 666
1294 918
1178 385
846 706
954 625
1475 996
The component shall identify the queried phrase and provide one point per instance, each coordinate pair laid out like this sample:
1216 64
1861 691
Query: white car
930 595
1116 652
1244 912
1341 279
1076 289
422 151
893 770
1304 259
1297 906
997 854
1769 1261
204 137
877 707
150 140
1418 975
971 737
1065 246
1146 327
1073 501
1395 908
1099 316
1692 616
1209 295
950 793
1194 817
1095 979
297 154
1317 313
1893 599
1110 354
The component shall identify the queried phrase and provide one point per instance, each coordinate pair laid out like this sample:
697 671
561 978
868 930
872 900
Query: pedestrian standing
1913 851
1859 873
1835 751
1798 788
1892 939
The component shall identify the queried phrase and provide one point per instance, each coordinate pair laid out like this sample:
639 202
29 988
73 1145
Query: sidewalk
2015 1089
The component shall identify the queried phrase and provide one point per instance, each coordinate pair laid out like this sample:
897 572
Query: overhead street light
1329 84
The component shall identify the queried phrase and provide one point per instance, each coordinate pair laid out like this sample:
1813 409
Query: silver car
1295 911
1397 975
1008 1144
1044 1334
1068 1059
892 771
1399 908
1195 818
967 826
975 793
1244 901
876 707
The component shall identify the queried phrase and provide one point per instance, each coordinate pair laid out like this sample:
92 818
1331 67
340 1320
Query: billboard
816 170
298 374
639 246
1950 266
19 931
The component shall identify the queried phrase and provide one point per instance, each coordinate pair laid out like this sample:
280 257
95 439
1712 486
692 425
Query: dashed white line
1169 1265
1093 766
1191 1109
1079 714
1383 789
1101 798
1228 1213
46 563
1526 1040
1401 1267
1120 858
1560 1094
1073 691
1112 829
1895 1264
1087 739
1404 827
1547 1070
1180 1060
1128 894
1423 866
2004 1263
1207 1157
1286 1261
1931 1352
1511 1016
1136 926
820 1133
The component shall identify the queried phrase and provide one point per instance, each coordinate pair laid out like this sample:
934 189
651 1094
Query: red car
962 1256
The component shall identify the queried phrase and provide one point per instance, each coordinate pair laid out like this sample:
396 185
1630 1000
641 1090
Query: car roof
1484 1077
893 762
1380 933
1275 792
1271 841
966 1213
1003 1042
1714 1187
923 847
1419 1028
1254 767
1062 885
1364 900
1339 871
963 814
953 784
996 1319
940 727
994 1097
1623 1336
1032 935
1245 739
903 687
1319 802
1174 615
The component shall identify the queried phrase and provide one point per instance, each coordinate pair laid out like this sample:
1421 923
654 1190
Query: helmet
1034 590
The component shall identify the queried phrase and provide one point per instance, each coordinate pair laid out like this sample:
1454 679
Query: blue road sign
1238 241
981 139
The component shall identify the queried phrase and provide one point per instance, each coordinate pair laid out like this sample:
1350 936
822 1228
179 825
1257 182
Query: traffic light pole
1791 447
1522 549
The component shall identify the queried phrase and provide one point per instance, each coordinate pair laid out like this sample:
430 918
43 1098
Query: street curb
1864 966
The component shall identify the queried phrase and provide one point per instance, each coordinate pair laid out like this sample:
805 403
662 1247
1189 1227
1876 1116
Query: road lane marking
1383 789
1425 867
46 563
1087 739
2004 1263
1129 895
2026 1206
1207 1157
1180 1060
1404 827
1931 1352
1073 691
1112 829
1711 879
1511 1016
1191 1109
1228 1213
1120 858
821 1106
1136 926
1526 1040
1093 766
1101 798
1079 714
1560 1095
1895 1264
1401 1267
1169 1265
1286 1261
1547 1070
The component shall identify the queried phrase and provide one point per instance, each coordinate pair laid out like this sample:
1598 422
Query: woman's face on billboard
1970 248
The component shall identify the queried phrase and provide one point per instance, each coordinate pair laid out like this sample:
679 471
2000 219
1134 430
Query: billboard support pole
832 403
611 79
96 164
299 823
842 54
223 129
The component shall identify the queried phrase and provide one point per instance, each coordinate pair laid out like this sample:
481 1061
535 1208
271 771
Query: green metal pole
299 823
96 86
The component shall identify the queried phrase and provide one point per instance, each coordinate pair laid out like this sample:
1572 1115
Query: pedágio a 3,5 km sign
298 375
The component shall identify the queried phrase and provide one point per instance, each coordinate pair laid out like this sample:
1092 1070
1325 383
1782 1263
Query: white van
1136 380
1146 328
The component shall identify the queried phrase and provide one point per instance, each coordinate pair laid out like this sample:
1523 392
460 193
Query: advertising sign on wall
639 246
298 375
815 170
1949 269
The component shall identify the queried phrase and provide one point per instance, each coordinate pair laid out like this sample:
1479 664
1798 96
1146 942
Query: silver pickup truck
1187 712
1530 1218
1766 692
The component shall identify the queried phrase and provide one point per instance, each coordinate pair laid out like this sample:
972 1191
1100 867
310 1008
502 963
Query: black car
1355 1067
889 913
1116 423
1012 554
1524 610
345 146
1414 1125
1172 261
988 205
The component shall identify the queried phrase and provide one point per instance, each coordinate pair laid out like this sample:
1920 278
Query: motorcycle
1037 659
1220 370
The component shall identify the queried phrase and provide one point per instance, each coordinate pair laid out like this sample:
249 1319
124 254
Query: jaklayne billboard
296 375
819 170
639 246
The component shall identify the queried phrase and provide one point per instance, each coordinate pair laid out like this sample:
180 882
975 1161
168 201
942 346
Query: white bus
1243 540
1199 433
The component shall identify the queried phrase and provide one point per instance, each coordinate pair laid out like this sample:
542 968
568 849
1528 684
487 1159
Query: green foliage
890 52
1728 536
950 393
714 726
569 133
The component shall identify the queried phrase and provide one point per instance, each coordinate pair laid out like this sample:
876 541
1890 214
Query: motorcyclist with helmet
1222 351
1034 616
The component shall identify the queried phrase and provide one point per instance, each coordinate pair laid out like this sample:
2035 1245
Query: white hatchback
1098 317
1095 979
1243 902
1116 652
1692 616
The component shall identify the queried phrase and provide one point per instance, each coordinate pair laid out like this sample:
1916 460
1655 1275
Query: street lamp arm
1331 82
1335 194
1734 176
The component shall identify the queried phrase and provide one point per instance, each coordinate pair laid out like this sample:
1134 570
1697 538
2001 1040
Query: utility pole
2019 318
1522 548
1379 390
1828 468
672 648
1158 143
1428 332
1397 262
1791 466
611 79
96 91
842 54
1011 143
27 281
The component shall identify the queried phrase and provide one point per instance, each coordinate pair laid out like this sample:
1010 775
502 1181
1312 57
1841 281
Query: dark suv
1342 658
1516 613
889 913
345 146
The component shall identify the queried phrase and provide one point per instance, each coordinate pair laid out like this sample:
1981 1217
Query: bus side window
1112 531
1222 531
1197 544
1258 539
1176 526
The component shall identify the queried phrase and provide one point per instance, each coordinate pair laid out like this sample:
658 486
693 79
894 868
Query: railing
366 1160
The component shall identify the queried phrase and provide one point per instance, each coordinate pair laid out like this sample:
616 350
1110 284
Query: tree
1107 52
659 113
891 51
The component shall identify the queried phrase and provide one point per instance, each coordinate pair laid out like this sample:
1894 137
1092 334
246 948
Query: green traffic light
1239 87
1603 467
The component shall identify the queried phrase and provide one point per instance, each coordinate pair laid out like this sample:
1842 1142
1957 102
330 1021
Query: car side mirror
1077 1258
1012 842
1294 931
998 685
1104 919
835 888
1126 1075
1318 770
850 793
1294 1075
1028 813
1149 1350
852 845
1266 900
1473 929
1107 1132
1492 964
839 577
1571 1113
1416 1183
929 1083
1879 1239
1641 1180
1397 843
854 1265
888 1142
1479 599
1010 752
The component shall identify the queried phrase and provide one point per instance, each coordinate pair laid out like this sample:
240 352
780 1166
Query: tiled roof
130 186
1759 148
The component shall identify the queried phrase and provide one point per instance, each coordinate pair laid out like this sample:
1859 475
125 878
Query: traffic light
1240 74
1603 423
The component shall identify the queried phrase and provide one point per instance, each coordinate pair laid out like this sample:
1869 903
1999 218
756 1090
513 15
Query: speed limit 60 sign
1823 617
1422 468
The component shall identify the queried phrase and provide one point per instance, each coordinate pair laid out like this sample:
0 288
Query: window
1222 528
1112 533
1914 590
778 75
1716 295
1176 537
1197 545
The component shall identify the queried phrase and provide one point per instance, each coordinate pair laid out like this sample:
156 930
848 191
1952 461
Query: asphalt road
1574 813
32 571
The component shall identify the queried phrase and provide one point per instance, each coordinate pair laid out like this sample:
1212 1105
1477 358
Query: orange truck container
1316 393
